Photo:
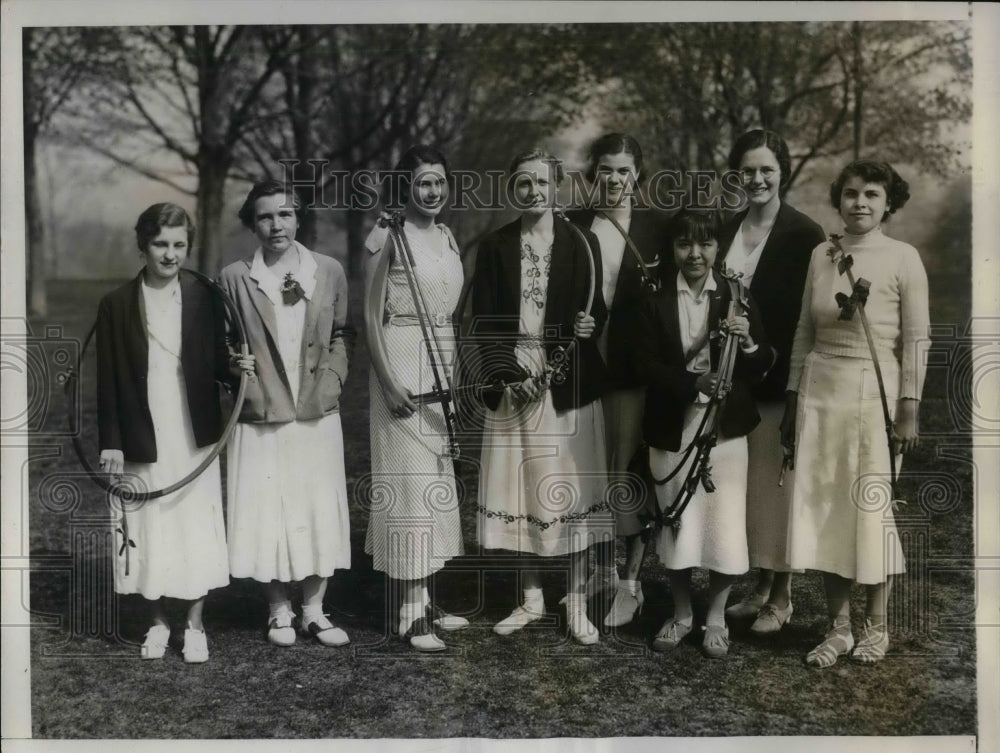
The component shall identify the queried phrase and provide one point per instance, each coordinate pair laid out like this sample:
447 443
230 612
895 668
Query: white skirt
543 480
180 539
712 531
841 518
287 509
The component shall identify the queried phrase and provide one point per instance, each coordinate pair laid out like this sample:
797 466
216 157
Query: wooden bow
707 434
443 391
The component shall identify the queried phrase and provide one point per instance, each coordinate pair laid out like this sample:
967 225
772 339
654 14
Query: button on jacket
324 353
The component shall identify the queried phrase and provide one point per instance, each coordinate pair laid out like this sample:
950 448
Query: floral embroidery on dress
565 518
535 275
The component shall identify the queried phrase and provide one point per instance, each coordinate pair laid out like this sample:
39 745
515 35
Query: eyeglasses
766 172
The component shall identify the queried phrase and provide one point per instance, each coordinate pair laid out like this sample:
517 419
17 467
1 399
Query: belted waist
413 320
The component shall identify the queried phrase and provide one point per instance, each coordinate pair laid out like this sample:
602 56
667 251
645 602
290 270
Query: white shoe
521 616
280 631
580 627
625 606
448 622
324 631
598 583
155 645
195 646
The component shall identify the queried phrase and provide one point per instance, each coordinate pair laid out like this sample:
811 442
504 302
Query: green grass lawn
88 682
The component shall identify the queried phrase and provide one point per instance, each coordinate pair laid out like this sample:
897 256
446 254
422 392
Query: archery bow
557 368
647 281
706 436
117 489
442 391
855 302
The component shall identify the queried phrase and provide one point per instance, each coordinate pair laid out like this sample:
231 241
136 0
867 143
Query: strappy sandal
670 635
872 647
836 643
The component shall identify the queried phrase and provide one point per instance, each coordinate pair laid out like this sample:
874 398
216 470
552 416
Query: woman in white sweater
842 519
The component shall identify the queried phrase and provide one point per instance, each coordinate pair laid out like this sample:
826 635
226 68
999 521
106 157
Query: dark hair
396 184
897 190
614 143
267 188
542 156
698 225
157 217
756 139
694 224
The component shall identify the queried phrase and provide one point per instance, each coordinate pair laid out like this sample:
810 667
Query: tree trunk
213 170
859 88
355 241
37 298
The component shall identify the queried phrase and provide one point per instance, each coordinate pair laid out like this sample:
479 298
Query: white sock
280 607
425 598
534 601
312 612
632 586
409 611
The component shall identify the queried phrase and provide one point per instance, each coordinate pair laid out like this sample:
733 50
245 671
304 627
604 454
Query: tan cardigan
324 345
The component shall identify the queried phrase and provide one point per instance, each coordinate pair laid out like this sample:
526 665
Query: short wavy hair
268 187
897 190
396 184
614 143
757 138
159 216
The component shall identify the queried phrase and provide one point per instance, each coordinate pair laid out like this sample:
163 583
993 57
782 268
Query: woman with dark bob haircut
288 517
834 418
769 243
680 363
631 239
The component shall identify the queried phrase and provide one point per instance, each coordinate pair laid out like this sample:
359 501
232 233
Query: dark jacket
123 416
659 359
497 305
777 285
648 231
323 361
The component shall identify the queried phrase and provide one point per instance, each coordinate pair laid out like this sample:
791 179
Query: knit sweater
897 309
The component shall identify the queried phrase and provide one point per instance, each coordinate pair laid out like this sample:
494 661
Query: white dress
842 520
544 472
712 532
414 526
180 539
288 515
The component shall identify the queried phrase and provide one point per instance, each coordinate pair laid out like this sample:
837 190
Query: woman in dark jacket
161 348
770 243
543 479
678 358
632 240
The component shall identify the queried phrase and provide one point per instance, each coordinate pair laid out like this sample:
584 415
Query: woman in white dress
543 479
842 519
161 349
414 526
679 361
287 514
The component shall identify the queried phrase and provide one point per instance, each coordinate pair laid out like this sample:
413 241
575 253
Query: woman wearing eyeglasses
770 243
